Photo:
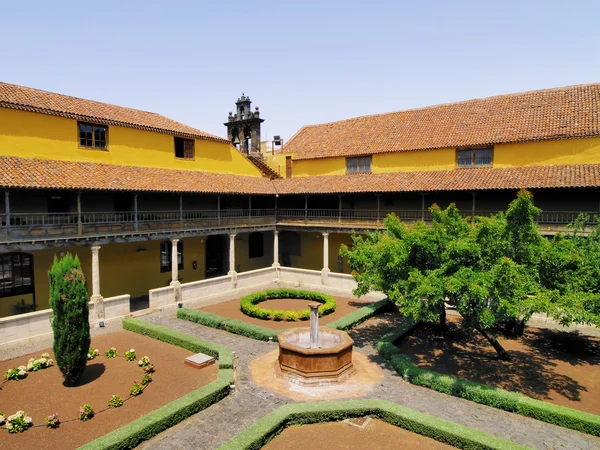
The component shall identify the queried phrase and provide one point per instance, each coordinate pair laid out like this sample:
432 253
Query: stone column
325 271
276 249
96 297
79 223
232 273
175 270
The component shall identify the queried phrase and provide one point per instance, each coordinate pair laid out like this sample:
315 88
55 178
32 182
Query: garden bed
231 310
556 367
42 392
376 435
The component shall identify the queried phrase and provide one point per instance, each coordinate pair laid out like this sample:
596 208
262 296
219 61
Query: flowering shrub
130 355
146 379
92 353
16 374
52 421
111 353
2 418
18 422
115 401
136 388
43 362
145 361
86 412
149 369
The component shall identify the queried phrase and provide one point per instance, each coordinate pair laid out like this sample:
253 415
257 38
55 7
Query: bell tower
243 127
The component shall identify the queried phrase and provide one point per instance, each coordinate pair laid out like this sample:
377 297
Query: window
358 165
184 148
16 274
474 157
165 256
256 247
92 135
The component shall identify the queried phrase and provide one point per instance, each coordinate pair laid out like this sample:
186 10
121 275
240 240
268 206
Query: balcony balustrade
43 225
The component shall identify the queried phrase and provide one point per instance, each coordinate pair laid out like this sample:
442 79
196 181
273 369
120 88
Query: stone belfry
243 127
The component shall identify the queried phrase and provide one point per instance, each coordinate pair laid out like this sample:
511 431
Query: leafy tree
487 269
69 303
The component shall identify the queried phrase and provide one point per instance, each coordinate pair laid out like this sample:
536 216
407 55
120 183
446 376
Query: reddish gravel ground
377 435
232 310
557 367
42 393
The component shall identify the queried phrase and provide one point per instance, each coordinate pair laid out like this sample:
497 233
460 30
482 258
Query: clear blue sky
301 62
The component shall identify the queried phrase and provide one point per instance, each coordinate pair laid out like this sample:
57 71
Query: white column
325 271
175 270
232 271
275 248
96 297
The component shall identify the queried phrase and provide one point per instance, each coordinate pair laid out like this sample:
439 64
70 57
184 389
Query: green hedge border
459 436
249 302
480 393
144 428
263 334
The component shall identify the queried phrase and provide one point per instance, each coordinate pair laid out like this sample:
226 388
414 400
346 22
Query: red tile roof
34 100
18 172
567 176
551 114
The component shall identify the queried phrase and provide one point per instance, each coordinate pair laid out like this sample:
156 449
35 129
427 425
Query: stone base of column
233 275
325 276
276 265
98 301
177 288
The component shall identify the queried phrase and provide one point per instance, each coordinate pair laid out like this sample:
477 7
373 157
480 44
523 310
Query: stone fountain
311 356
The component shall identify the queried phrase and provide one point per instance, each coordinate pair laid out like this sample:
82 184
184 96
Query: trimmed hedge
233 326
257 435
480 393
357 317
249 302
148 426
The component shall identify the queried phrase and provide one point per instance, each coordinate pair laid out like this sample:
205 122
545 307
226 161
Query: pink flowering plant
86 412
115 401
146 379
52 421
136 388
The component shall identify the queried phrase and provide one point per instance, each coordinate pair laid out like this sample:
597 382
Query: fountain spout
314 325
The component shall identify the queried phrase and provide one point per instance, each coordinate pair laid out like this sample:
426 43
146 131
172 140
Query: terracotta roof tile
564 176
18 172
34 100
551 114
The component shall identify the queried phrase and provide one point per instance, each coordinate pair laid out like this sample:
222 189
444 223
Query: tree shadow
536 367
91 373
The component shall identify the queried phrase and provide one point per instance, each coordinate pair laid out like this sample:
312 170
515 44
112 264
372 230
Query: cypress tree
69 302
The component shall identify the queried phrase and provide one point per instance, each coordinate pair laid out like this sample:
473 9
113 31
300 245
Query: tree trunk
443 325
514 327
503 354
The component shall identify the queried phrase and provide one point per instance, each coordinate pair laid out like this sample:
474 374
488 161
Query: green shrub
251 331
259 434
248 304
70 324
481 393
357 317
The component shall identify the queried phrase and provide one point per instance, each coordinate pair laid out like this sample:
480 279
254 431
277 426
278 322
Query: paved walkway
222 421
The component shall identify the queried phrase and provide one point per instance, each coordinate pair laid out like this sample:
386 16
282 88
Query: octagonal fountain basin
329 360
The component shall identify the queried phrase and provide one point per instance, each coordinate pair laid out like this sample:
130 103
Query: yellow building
147 202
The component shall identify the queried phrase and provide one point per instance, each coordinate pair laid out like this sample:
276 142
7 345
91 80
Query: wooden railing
41 225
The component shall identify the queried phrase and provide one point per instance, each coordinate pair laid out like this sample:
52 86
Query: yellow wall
34 135
312 251
569 151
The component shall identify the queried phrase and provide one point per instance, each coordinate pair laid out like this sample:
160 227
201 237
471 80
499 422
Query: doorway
217 256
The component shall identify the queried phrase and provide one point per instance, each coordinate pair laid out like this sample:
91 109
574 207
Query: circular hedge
248 304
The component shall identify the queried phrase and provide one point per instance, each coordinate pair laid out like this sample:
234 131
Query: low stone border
248 304
264 334
514 402
459 436
148 426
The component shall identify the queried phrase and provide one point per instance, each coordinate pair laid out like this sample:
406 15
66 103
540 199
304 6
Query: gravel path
222 421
